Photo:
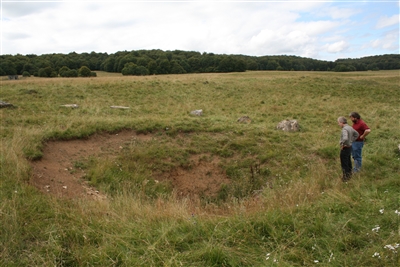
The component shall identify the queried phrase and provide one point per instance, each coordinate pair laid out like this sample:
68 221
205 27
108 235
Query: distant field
153 185
107 74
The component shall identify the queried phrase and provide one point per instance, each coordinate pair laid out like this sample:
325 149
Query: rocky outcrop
197 112
288 126
244 119
6 105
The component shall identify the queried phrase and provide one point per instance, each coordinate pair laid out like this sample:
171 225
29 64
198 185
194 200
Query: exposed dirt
57 172
204 177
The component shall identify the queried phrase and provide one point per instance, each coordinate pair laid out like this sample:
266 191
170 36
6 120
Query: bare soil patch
57 173
203 178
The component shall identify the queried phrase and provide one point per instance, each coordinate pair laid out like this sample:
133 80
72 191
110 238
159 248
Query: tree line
150 62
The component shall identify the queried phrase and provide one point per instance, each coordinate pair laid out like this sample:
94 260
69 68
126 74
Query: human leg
356 151
345 161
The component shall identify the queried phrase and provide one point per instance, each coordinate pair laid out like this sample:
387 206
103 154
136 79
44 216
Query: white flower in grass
376 229
389 247
267 256
331 257
392 247
381 211
397 212
316 261
376 255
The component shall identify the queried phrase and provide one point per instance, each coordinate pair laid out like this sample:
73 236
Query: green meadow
280 201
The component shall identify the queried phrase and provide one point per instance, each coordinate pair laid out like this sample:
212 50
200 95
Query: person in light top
347 137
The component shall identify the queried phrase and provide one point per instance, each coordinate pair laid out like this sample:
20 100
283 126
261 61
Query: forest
153 62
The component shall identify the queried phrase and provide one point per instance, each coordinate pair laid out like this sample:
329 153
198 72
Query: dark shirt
360 126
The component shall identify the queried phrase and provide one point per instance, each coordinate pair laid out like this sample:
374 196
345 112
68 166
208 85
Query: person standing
347 137
363 130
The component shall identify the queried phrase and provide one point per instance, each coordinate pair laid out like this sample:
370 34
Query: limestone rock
288 126
244 119
6 105
197 112
70 106
119 107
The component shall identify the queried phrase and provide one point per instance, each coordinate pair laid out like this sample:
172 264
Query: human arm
366 132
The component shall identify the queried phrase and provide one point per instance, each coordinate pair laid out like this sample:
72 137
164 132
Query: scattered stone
70 106
119 107
197 112
288 126
244 119
6 105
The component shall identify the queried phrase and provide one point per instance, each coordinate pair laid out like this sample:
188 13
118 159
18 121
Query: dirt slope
57 174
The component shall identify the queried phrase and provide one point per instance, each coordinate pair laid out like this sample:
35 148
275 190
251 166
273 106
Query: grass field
275 198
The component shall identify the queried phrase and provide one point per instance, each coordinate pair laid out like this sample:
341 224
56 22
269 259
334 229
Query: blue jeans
356 152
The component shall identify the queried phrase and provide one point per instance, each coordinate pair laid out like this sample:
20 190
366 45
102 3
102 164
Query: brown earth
57 173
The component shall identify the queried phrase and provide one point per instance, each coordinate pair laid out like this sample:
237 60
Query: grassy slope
304 214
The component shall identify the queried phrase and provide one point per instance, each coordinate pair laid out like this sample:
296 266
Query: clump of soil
57 172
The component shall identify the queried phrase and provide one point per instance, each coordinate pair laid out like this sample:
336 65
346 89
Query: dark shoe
346 177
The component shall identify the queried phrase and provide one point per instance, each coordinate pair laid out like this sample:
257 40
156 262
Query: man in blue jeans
356 148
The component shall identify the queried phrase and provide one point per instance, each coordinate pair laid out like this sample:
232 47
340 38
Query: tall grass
285 204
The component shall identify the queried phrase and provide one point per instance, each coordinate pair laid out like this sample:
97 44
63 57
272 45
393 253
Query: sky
318 29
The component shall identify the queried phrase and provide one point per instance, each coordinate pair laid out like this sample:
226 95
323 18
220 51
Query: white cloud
389 41
17 9
302 28
343 13
16 35
337 47
316 28
386 21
